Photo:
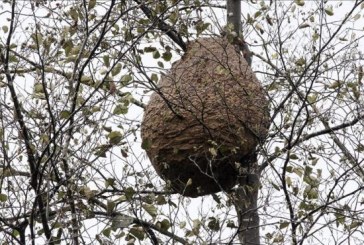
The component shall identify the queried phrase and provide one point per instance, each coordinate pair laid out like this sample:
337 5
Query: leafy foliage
74 78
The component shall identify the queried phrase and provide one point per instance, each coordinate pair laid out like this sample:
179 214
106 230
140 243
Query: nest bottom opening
198 176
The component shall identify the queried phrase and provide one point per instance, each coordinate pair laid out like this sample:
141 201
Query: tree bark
245 201
246 195
234 15
234 25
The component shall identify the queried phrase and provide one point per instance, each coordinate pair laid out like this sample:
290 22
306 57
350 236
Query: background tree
75 76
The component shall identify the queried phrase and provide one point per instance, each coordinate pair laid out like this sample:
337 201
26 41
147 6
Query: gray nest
207 116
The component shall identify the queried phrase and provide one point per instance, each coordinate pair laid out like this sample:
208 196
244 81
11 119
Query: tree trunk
245 201
246 195
234 15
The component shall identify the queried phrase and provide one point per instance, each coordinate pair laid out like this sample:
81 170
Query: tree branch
163 26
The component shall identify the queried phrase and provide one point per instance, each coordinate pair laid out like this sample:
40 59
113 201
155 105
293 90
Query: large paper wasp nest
206 117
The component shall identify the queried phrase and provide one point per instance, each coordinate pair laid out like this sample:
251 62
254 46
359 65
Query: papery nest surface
208 114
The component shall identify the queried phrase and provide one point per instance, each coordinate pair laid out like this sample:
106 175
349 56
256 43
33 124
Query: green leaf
303 25
149 49
16 233
360 147
71 59
335 84
300 2
110 206
109 182
140 30
150 209
298 171
73 13
257 14
308 170
101 150
171 203
312 98
173 17
293 156
37 38
107 232
156 54
340 219
160 64
314 161
116 70
269 20
61 195
283 224
293 8
121 221
355 224
196 224
137 232
216 198
182 224
76 50
310 193
3 197
124 153
214 224
96 108
356 17
107 129
288 181
259 27
64 114
120 110
86 80
315 36
275 186
164 224
85 190
154 77
278 238
301 61
167 56
115 137
161 200
128 35
250 20
146 144
201 27
38 88
106 59
13 59
67 46
91 4
129 193
5 29
230 224
125 79
329 11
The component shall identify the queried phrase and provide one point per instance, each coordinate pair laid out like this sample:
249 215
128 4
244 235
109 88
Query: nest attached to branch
205 119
